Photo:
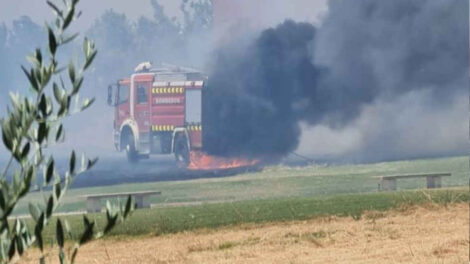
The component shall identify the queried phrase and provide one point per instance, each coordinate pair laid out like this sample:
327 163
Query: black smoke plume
364 52
257 94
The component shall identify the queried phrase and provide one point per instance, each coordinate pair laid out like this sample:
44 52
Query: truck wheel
132 155
182 152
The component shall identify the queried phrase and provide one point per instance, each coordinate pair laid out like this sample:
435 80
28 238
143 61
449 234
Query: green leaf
43 105
19 245
64 105
92 163
39 157
88 232
129 205
31 78
42 132
59 70
25 151
62 257
49 106
71 38
74 254
72 72
6 137
58 93
41 221
90 60
111 221
69 17
15 100
49 170
38 231
59 132
67 228
33 60
52 41
2 201
60 233
38 55
16 181
50 206
72 163
76 85
12 249
86 46
34 212
57 23
54 7
23 190
57 190
87 103
29 174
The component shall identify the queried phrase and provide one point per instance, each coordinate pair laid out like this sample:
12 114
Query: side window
123 94
142 96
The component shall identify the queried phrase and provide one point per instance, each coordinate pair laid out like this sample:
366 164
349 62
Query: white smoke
407 127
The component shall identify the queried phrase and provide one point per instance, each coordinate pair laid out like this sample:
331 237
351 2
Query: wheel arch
129 126
178 132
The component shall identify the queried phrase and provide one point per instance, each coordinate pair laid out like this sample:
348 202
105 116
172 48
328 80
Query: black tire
182 155
132 155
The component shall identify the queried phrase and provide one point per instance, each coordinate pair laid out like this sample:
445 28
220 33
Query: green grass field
277 193
279 182
159 221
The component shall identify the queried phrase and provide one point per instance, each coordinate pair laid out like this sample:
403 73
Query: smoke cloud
355 72
254 98
409 127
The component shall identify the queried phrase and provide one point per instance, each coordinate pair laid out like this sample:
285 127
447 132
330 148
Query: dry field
428 234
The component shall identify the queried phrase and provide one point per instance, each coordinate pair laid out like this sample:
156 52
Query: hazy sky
304 10
39 11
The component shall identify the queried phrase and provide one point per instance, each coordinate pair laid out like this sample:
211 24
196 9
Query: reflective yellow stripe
163 128
195 128
168 90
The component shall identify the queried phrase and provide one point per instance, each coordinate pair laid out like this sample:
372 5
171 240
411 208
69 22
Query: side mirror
110 96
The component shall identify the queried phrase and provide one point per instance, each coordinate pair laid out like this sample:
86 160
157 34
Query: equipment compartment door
193 106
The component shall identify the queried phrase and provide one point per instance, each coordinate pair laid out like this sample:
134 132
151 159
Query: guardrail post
142 201
433 182
389 184
139 201
93 205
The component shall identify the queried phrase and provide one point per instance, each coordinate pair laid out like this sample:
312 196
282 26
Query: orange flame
203 161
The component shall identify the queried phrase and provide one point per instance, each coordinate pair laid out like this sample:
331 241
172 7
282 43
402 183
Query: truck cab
158 111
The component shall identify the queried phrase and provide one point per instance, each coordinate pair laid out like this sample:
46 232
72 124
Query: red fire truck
158 111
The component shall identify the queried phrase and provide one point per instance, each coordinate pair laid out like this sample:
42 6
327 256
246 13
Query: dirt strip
431 234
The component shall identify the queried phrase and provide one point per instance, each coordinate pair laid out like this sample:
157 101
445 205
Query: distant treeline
121 43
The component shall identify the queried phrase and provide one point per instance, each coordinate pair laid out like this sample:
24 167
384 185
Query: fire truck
158 111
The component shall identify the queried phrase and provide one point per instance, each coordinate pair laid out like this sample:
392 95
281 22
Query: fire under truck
158 111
